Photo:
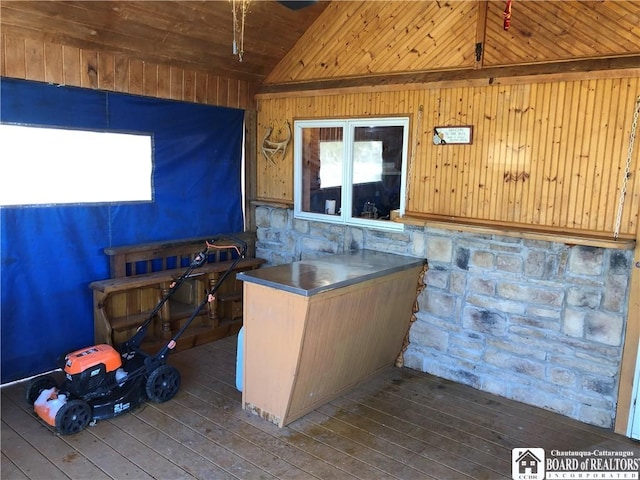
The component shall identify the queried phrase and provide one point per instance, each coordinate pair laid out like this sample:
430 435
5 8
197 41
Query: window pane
377 171
59 166
330 164
322 170
367 162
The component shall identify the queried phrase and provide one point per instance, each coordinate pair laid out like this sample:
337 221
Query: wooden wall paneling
481 28
392 43
509 158
525 153
632 200
497 162
71 66
551 31
566 157
543 154
554 179
538 126
545 150
604 25
120 73
251 172
323 35
189 86
525 149
633 207
366 38
232 95
275 178
579 217
516 152
488 163
463 153
136 77
223 91
477 160
177 82
106 71
164 81
449 165
575 171
243 95
616 138
597 153
15 57
431 156
424 162
3 55
149 79
469 163
449 50
619 15
200 87
89 69
415 181
384 28
213 89
53 71
584 180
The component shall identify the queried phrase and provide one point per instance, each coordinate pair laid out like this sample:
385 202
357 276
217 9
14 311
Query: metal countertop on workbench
313 276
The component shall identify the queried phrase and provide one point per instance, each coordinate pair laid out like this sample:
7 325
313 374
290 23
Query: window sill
385 225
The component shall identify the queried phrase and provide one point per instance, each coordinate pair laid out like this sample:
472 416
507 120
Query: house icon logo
527 464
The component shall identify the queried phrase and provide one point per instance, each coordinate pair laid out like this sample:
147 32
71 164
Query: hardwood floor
402 424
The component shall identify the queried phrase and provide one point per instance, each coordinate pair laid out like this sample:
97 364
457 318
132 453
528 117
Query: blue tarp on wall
50 254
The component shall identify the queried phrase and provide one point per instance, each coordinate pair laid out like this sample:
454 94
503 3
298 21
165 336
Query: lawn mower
102 381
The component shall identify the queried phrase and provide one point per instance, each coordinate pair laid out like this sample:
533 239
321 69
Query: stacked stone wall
535 321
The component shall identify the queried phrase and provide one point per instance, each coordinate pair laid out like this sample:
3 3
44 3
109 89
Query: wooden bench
142 274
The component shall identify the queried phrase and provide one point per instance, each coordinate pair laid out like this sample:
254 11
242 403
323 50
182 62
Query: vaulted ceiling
196 35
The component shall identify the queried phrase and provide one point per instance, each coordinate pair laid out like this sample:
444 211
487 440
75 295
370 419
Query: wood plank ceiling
196 35
337 44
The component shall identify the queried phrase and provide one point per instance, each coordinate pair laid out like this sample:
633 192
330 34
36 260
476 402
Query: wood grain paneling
364 38
195 36
66 65
367 39
551 31
547 155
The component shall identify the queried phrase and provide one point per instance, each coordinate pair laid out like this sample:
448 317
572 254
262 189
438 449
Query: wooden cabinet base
302 351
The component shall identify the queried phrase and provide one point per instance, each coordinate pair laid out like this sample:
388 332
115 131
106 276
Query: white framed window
351 171
57 166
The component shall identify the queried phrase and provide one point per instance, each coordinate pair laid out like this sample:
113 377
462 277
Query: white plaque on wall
462 135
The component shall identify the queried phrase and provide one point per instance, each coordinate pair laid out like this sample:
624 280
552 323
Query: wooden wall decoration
65 65
546 155
276 140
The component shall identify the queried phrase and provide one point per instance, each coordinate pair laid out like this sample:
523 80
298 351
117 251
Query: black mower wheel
73 417
37 385
163 383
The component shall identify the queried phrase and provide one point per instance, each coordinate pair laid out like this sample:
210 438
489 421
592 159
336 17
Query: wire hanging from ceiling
239 9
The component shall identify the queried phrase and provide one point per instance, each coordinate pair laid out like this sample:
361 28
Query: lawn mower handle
228 241
234 243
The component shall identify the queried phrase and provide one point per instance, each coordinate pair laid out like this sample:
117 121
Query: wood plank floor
402 424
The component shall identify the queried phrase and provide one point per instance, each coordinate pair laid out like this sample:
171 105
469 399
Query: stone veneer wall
535 321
